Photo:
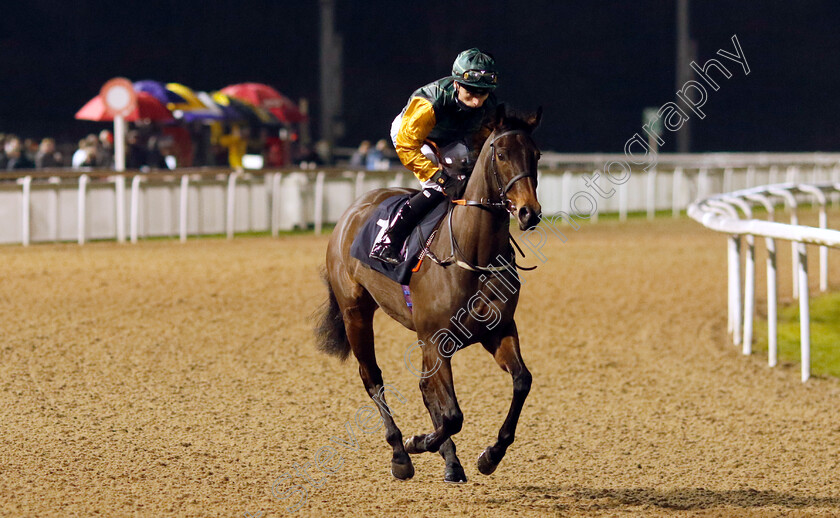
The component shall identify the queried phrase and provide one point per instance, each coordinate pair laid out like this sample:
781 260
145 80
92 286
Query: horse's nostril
524 213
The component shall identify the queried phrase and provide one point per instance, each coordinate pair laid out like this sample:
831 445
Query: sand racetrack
164 379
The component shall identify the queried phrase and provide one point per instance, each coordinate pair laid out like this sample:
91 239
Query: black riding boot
388 249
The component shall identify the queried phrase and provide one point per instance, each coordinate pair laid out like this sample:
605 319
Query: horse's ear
534 120
501 113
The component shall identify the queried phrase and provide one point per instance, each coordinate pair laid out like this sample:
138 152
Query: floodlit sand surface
164 379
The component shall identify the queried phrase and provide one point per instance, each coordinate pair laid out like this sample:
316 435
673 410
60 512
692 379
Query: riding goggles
480 76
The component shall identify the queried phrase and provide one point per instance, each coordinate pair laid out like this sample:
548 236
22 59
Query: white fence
721 213
79 206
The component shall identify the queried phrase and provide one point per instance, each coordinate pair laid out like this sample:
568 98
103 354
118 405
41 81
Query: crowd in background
155 146
373 159
17 153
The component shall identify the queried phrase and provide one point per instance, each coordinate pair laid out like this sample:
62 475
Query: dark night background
593 65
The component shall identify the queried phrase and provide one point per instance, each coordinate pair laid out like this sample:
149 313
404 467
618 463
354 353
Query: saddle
414 244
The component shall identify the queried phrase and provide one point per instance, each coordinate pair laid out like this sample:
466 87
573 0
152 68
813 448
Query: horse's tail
330 335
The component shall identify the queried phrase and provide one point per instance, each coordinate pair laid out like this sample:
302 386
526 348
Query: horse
479 275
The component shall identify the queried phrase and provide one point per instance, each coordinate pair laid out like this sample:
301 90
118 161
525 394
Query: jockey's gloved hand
451 185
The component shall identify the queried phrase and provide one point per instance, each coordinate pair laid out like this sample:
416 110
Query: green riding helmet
475 69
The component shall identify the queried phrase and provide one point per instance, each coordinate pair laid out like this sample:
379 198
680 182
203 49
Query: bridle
503 204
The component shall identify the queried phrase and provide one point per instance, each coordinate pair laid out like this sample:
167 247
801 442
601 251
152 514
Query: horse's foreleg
505 350
360 334
439 397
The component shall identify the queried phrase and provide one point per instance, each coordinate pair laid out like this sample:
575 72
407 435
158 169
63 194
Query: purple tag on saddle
407 295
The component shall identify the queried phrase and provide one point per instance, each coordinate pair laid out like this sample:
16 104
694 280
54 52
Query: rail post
231 204
804 313
319 201
54 210
727 179
119 206
276 178
676 192
734 273
135 208
772 319
751 176
773 175
26 209
182 208
703 183
749 278
783 192
566 187
819 195
82 206
650 197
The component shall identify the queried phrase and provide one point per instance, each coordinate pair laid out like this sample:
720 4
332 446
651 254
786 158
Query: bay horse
477 234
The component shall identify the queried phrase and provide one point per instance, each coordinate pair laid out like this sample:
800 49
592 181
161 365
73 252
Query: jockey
445 114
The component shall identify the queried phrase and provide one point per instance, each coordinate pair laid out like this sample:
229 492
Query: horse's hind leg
505 349
439 397
453 472
358 321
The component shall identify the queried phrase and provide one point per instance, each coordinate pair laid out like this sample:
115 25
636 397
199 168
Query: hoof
454 474
402 471
411 445
486 466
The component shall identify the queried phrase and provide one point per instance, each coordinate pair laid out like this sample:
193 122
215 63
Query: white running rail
720 213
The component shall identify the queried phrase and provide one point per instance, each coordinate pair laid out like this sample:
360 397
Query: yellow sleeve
417 122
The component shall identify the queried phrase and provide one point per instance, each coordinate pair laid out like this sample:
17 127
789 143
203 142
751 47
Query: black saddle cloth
378 221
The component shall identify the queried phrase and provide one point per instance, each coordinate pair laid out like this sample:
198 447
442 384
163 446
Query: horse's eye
501 156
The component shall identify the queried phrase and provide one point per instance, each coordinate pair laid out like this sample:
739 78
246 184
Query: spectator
47 155
136 155
85 156
276 154
16 159
308 157
3 159
376 160
105 150
168 153
30 149
154 157
182 145
200 137
236 143
360 156
324 152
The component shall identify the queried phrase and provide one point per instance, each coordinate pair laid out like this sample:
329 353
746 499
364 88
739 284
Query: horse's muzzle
528 217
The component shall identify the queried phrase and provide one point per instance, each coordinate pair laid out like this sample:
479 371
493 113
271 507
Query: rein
462 262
